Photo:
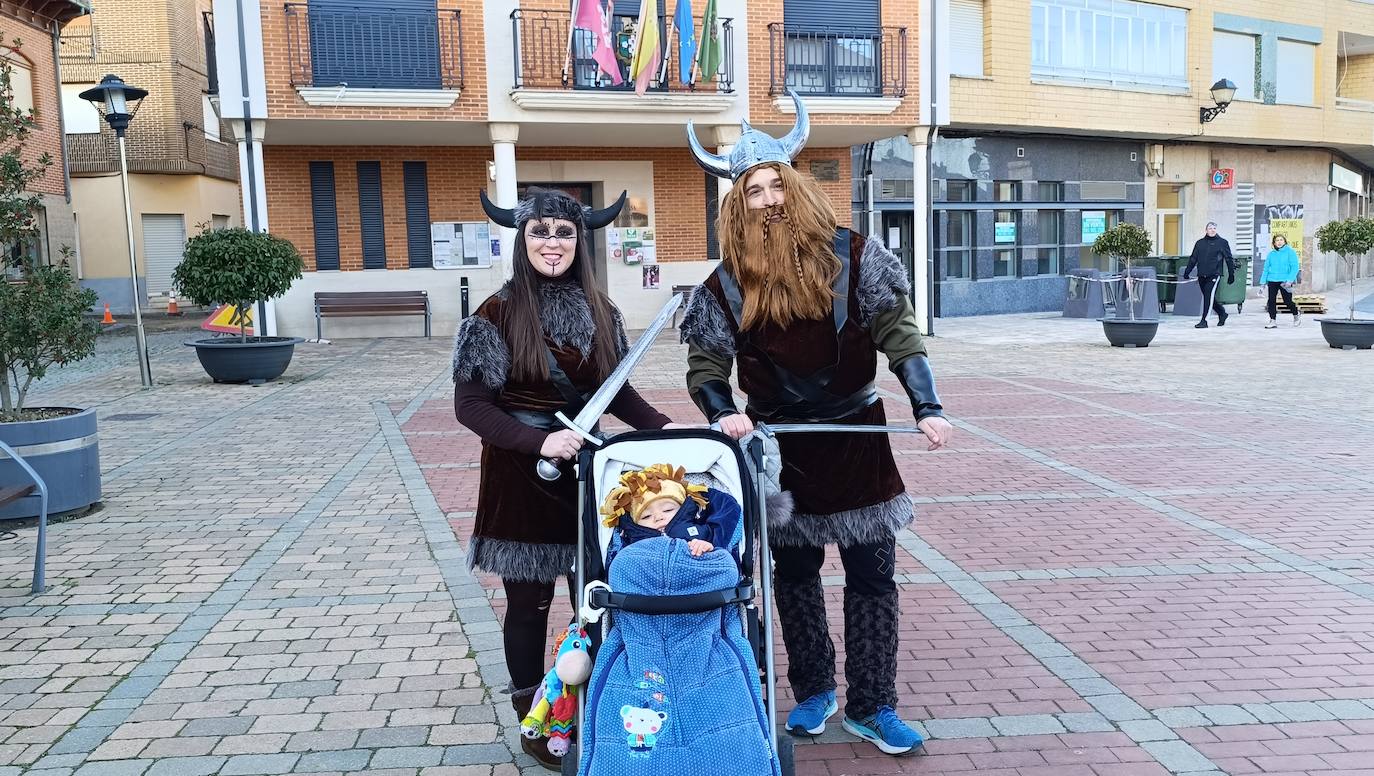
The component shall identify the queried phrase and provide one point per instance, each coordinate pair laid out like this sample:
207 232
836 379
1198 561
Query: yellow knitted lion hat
640 488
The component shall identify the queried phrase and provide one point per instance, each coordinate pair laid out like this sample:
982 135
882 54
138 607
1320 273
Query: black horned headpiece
551 203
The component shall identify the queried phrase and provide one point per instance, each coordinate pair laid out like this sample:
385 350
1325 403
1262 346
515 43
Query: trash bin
1167 270
1234 293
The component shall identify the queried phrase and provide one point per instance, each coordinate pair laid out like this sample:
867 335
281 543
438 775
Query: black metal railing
375 47
542 59
837 61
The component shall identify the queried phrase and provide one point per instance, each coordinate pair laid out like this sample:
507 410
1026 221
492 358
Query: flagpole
572 27
634 40
663 71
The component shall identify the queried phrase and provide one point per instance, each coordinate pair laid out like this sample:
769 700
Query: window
211 66
1233 57
370 47
325 214
1297 72
712 213
1049 191
1110 42
960 190
958 247
966 37
419 245
21 77
370 219
79 117
1004 238
1006 191
1050 228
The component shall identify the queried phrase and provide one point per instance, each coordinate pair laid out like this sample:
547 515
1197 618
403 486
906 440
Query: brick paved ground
1129 564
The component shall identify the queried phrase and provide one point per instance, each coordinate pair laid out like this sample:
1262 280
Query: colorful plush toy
553 713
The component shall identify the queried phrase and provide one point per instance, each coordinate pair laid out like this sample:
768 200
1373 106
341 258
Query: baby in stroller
675 680
659 501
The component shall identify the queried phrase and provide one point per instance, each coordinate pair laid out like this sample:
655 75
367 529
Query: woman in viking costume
542 343
802 307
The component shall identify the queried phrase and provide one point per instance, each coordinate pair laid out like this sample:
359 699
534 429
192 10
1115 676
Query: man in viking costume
803 307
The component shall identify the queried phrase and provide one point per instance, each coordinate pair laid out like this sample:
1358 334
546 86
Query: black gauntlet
715 400
916 377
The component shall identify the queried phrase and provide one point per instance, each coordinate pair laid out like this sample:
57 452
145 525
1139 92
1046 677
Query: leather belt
812 410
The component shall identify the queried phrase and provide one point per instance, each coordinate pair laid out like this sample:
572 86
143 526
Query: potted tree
1126 242
1350 239
239 267
42 324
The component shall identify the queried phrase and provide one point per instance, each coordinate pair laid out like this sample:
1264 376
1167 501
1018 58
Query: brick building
28 42
374 145
1064 118
183 171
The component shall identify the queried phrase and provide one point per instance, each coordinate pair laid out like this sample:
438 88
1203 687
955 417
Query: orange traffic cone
108 319
172 305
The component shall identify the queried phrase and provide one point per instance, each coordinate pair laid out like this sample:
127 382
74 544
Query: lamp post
1223 92
118 102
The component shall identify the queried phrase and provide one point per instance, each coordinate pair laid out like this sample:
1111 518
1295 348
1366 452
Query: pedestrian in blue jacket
1280 273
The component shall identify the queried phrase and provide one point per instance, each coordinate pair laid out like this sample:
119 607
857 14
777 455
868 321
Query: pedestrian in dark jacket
1210 255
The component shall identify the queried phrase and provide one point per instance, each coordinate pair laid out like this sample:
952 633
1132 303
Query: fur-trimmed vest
846 487
526 528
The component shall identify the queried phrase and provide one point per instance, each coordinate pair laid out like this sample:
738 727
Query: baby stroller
679 641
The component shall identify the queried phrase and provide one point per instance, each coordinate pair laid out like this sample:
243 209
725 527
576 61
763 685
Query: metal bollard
463 295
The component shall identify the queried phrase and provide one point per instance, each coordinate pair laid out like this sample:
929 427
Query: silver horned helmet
754 147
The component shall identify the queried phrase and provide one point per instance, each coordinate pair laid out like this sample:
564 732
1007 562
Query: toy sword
596 406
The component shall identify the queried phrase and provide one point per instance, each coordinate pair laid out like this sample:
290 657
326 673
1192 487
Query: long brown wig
786 269
523 328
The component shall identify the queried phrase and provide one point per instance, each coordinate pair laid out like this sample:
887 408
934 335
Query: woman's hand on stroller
699 547
736 426
562 445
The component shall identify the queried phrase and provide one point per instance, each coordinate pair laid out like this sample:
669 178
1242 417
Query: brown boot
538 748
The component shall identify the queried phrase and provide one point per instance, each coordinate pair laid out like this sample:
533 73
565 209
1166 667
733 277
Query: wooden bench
12 493
369 304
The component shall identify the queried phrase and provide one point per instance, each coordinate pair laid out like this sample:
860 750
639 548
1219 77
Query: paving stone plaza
1130 563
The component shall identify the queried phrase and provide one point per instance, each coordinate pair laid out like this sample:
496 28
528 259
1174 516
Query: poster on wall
1094 224
651 276
1271 220
441 236
633 245
1004 232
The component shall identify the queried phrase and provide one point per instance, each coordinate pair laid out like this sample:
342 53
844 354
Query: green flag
709 53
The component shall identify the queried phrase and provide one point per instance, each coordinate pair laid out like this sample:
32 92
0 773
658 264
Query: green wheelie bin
1234 293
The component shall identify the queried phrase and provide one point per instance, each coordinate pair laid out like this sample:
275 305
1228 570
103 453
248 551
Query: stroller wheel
570 760
787 755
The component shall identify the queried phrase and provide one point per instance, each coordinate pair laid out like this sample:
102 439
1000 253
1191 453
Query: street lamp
117 102
1223 92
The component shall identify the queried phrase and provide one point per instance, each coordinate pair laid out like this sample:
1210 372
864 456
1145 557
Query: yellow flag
647 52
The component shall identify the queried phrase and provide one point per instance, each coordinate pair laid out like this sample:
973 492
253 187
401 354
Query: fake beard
783 286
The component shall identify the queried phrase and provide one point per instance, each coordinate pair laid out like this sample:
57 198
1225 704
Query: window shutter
418 244
712 213
820 15
966 37
392 47
325 213
370 215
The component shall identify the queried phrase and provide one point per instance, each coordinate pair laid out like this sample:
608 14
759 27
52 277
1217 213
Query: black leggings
526 629
1274 290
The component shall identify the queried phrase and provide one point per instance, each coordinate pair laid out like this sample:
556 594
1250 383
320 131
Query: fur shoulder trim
882 277
480 352
704 324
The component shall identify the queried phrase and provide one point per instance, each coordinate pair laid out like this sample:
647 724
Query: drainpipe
929 258
62 119
250 157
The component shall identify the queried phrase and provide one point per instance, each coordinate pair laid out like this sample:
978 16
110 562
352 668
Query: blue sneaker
808 719
886 731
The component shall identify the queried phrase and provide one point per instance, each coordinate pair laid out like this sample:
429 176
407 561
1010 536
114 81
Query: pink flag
591 17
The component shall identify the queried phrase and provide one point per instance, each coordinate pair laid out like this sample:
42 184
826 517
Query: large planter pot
64 451
1347 334
259 360
1126 333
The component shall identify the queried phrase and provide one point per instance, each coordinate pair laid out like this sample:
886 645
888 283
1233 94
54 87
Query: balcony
547 76
162 150
838 62
375 55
